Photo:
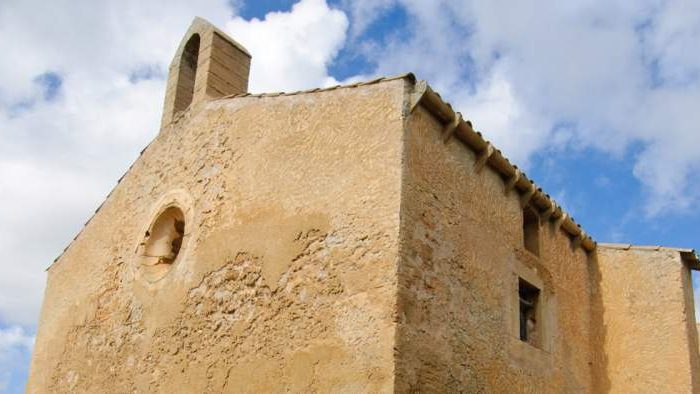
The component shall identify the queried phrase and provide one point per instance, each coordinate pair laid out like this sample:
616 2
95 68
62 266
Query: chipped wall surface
461 256
286 279
648 332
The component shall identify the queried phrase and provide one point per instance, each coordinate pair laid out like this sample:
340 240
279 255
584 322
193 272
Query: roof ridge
410 76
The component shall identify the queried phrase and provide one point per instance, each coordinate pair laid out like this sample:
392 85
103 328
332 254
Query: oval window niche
162 244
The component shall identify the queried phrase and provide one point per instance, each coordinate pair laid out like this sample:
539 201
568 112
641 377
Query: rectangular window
531 231
529 304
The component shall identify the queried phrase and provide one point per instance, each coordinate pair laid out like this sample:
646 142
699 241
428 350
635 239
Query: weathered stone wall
333 244
648 333
461 255
286 279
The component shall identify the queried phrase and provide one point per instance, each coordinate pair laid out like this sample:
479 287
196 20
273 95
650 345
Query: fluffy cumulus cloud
81 90
564 75
292 50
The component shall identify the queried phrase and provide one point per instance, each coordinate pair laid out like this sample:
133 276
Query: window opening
529 304
162 243
531 231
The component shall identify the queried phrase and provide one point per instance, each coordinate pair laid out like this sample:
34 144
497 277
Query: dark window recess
531 231
184 92
529 299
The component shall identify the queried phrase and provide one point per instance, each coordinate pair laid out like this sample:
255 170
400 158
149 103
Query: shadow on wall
693 340
696 293
695 275
598 329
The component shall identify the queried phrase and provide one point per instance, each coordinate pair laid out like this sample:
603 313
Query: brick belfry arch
208 64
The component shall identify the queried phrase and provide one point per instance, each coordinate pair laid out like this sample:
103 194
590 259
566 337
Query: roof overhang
529 192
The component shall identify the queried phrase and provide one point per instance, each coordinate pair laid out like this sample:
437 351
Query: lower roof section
688 254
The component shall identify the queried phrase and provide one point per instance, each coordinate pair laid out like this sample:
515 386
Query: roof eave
425 96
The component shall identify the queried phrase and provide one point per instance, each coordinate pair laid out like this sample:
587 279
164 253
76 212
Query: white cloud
291 50
592 65
364 13
15 348
15 337
607 76
496 107
59 158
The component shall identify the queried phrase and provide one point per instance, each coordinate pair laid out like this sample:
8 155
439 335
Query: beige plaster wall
461 256
648 334
332 244
287 276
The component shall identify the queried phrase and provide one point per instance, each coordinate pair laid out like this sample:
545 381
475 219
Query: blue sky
598 101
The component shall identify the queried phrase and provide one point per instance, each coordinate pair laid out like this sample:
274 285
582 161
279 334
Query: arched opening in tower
187 75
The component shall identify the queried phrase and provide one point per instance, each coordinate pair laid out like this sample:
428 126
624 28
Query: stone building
360 238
